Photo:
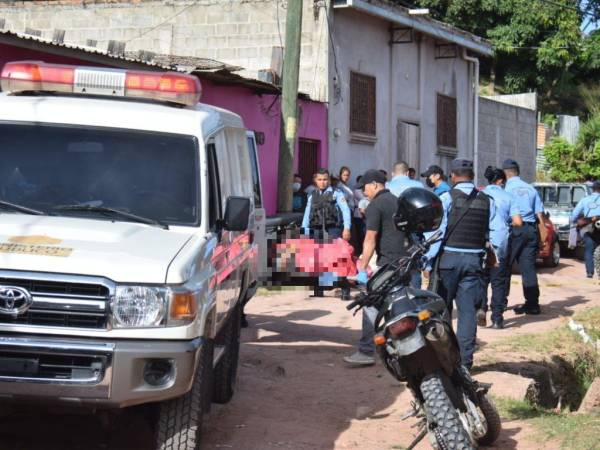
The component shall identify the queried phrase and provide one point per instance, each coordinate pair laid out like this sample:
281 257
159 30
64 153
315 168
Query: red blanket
308 256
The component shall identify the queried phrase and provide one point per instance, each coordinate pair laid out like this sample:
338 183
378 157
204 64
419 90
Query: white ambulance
127 242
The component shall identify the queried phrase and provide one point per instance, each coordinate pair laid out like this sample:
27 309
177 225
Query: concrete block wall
237 32
507 131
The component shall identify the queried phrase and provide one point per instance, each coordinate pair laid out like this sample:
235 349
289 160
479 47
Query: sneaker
590 275
498 325
481 318
524 309
360 359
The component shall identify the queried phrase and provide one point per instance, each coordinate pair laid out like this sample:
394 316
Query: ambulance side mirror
237 214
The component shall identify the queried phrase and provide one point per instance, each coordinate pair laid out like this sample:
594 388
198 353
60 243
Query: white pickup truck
128 241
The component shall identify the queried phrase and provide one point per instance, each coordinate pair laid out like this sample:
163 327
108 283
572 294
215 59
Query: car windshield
149 174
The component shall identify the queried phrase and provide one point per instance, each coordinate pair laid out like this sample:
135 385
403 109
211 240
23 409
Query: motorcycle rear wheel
447 427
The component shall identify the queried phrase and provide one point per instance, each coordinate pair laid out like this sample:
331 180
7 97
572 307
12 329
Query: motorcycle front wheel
446 425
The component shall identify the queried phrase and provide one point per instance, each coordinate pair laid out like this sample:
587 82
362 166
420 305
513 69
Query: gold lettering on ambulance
38 250
35 240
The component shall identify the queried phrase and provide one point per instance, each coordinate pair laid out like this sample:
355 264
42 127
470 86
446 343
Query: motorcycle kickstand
418 439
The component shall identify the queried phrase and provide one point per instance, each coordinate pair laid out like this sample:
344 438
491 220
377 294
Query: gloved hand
362 277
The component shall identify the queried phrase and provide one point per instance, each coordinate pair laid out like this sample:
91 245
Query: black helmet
418 210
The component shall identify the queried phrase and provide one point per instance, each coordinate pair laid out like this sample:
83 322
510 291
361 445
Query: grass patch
590 319
574 431
274 290
574 364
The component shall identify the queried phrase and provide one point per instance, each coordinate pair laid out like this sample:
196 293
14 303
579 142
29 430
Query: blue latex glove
362 277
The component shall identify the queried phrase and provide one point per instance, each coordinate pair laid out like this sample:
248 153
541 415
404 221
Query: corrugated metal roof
210 69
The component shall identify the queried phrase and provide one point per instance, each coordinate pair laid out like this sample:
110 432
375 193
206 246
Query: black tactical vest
472 230
324 212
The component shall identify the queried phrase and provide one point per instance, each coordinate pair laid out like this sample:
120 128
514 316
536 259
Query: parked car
549 252
559 199
128 243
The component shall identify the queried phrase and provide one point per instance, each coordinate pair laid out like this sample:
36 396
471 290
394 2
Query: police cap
461 164
510 164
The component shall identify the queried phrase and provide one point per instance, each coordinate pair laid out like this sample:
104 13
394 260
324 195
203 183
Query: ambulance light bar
31 76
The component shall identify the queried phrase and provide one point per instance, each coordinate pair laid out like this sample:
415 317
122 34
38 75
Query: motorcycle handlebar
353 305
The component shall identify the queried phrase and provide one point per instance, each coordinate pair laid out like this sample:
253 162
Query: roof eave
426 26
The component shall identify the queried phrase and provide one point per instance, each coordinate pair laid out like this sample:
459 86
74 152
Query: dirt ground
295 392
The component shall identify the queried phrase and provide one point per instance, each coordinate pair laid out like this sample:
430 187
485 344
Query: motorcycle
415 340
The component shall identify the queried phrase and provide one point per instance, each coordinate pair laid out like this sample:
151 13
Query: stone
591 401
508 385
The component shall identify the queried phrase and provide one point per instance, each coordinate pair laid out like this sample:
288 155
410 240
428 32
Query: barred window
362 104
446 121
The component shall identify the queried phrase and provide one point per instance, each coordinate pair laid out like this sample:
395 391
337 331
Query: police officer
466 224
507 215
525 240
434 178
400 180
584 215
322 214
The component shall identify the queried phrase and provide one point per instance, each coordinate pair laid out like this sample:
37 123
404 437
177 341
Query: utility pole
289 104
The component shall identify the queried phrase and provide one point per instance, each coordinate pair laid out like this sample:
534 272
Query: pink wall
259 113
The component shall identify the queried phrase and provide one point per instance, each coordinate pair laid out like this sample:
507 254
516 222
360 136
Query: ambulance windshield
149 174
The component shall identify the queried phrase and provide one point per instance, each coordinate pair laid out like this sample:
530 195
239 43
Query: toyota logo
14 300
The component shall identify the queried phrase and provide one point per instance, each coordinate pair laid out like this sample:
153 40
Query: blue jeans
590 245
524 250
460 281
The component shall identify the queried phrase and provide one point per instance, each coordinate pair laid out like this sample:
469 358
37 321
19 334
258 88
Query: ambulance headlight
139 307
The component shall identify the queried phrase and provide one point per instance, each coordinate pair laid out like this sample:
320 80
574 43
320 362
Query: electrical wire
162 23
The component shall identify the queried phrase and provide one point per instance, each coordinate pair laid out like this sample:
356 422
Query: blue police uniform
506 208
524 239
589 207
443 187
460 272
397 186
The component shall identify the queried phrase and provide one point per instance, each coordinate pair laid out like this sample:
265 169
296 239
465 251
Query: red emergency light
31 76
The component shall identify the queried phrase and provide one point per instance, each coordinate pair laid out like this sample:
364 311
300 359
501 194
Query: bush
570 162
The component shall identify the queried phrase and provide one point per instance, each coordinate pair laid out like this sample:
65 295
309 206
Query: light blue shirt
399 184
467 188
506 207
341 202
528 199
443 187
587 207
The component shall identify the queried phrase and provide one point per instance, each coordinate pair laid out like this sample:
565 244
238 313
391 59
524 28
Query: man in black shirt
389 243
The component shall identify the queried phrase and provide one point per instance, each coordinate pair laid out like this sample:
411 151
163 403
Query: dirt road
295 392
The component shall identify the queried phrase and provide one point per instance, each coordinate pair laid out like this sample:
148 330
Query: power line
162 23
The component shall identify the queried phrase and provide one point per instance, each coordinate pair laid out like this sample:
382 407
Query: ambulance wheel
178 422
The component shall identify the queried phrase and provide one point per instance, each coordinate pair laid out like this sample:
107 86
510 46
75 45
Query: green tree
538 44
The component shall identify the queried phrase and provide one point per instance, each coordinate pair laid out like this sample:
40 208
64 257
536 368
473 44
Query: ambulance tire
178 423
225 372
